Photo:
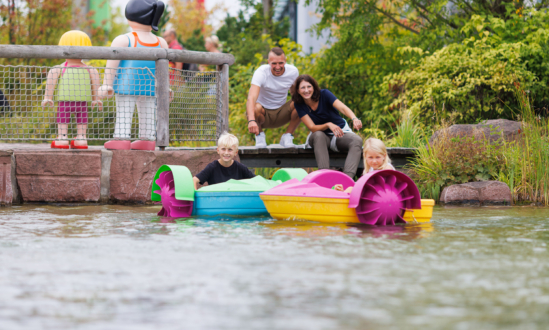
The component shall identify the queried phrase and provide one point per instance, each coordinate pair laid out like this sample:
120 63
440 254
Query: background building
301 18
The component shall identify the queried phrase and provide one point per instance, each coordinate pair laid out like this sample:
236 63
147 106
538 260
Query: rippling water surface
119 267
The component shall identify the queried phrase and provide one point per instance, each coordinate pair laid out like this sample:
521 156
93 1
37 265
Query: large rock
59 175
132 171
477 193
492 129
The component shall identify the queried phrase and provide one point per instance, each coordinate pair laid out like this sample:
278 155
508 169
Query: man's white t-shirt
274 90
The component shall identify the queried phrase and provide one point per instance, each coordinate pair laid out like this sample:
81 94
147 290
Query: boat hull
230 203
332 210
422 215
309 208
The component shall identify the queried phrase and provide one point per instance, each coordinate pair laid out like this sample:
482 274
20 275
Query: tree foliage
243 37
457 58
189 16
32 22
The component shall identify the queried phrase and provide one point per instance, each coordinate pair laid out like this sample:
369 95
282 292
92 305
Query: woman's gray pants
349 142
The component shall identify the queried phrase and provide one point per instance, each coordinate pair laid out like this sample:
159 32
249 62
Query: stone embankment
94 175
35 173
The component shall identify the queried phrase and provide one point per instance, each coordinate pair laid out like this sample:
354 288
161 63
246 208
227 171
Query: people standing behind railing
212 45
77 84
267 105
171 38
320 111
133 81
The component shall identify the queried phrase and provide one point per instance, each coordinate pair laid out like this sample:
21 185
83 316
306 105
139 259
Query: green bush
474 79
522 164
454 160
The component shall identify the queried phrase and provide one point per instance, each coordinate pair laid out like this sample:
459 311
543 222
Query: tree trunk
267 6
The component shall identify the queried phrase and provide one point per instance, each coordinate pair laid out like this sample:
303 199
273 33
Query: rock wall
59 176
493 130
132 171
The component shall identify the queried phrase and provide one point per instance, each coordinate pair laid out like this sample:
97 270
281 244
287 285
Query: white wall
306 17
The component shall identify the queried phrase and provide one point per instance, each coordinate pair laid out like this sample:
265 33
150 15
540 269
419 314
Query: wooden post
224 68
162 103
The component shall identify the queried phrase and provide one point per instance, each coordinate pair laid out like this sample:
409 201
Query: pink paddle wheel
171 207
382 197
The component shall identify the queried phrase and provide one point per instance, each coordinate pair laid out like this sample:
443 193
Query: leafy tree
119 24
242 36
194 42
189 16
475 78
388 55
34 22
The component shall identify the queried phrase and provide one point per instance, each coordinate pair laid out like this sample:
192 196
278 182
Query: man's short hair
227 140
172 31
277 51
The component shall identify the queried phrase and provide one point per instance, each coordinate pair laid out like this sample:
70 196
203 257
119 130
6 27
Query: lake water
121 267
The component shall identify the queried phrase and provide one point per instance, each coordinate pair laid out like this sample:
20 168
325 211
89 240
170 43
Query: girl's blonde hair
75 38
227 140
214 40
375 145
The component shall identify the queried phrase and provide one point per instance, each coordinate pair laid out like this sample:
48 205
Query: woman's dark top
214 173
324 113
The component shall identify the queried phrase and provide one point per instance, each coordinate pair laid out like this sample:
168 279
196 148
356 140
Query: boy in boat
225 168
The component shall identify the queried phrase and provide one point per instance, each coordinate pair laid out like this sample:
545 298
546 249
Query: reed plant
525 161
407 133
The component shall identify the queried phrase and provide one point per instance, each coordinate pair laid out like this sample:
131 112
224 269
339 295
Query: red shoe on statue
57 145
79 146
117 145
143 145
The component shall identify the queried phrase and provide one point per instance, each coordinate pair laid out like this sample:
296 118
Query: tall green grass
525 162
407 133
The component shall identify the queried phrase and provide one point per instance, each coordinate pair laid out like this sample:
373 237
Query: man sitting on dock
267 105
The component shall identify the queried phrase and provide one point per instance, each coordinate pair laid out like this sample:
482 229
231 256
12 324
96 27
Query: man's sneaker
287 140
260 141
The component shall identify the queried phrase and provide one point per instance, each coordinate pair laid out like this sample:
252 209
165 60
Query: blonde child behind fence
375 159
77 84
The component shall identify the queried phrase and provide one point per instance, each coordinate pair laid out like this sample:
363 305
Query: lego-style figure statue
77 85
132 82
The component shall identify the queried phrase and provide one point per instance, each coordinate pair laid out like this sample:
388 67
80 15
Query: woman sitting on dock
320 111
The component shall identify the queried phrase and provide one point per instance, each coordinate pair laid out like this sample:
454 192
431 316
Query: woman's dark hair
295 88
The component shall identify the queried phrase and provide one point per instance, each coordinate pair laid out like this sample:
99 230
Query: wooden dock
276 156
